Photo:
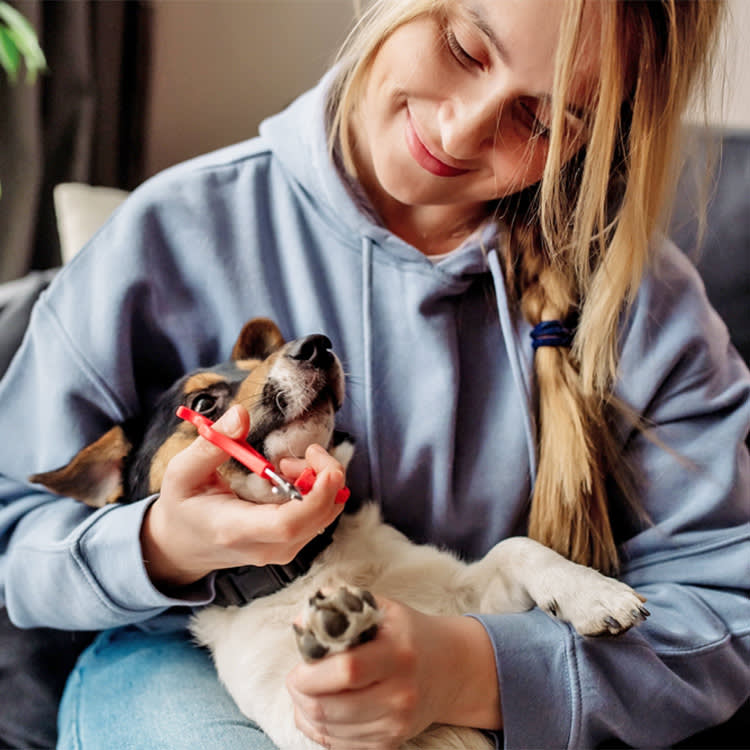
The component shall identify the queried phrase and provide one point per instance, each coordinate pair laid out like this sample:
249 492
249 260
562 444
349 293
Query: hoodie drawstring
367 345
518 365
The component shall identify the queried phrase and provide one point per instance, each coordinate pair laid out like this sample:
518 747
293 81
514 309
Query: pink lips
424 158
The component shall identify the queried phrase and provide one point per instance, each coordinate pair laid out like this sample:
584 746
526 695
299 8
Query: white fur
254 646
301 385
293 438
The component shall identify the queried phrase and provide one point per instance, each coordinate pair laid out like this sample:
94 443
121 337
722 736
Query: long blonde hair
580 237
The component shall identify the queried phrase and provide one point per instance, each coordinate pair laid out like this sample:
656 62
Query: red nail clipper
256 462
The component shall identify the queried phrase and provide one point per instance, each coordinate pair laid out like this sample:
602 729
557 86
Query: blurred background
134 86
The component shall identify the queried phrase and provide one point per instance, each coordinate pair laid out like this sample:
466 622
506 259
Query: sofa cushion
80 210
722 254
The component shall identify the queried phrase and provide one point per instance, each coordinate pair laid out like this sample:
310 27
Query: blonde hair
580 237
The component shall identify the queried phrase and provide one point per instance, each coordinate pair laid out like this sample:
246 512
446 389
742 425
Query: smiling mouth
421 154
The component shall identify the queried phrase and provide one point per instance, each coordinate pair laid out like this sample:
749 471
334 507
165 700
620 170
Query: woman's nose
468 126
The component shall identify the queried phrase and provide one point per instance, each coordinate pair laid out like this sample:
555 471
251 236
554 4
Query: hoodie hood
304 154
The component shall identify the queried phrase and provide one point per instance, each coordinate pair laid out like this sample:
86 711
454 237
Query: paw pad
336 621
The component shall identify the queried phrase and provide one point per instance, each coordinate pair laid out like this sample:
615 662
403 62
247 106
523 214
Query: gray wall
220 66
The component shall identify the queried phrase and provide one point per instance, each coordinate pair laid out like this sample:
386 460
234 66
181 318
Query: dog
292 391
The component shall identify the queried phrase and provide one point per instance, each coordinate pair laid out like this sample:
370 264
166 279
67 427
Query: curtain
81 121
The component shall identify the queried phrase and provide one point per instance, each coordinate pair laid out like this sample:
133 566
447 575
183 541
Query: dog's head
291 391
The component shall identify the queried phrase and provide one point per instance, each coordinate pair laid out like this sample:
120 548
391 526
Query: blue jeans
133 690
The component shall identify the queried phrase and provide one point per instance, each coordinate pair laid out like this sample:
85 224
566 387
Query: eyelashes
530 121
459 52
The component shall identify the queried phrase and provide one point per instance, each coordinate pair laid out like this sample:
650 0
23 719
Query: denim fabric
133 690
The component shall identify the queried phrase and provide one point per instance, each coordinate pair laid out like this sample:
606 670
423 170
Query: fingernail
231 420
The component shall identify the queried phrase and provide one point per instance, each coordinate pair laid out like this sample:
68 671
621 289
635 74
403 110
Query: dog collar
237 586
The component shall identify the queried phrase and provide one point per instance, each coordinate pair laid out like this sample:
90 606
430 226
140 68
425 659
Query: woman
468 171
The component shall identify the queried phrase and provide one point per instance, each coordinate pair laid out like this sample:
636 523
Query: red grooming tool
240 450
256 462
306 480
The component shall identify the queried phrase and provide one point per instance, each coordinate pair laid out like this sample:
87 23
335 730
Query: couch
34 663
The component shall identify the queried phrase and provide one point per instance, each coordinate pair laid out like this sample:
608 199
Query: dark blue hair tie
551 333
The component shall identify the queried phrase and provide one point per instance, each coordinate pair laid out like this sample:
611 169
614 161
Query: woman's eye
458 51
529 118
204 404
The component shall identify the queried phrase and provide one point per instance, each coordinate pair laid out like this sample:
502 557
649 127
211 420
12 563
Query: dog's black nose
314 349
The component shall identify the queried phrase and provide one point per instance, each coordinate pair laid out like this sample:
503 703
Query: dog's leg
519 573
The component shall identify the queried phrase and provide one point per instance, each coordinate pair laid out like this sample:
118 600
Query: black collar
237 586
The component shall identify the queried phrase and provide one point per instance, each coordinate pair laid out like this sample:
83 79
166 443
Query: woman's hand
198 524
420 669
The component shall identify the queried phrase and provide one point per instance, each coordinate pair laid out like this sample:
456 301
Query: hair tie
551 333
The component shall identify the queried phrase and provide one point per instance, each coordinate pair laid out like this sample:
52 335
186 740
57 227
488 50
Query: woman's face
455 112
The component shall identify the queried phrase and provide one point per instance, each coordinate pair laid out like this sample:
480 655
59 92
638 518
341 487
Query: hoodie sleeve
103 340
64 565
687 667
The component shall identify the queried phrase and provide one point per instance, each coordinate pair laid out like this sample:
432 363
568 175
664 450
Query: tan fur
201 380
248 394
252 387
99 463
263 338
178 441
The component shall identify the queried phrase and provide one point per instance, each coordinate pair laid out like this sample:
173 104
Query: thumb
194 467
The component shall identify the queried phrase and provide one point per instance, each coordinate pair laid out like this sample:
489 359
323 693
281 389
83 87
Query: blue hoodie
441 400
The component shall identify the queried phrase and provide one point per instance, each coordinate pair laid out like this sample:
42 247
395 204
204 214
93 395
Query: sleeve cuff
110 549
539 690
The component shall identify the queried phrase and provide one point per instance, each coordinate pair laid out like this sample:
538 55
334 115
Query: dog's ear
94 475
258 339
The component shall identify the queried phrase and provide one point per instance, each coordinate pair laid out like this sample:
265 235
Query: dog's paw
336 621
596 605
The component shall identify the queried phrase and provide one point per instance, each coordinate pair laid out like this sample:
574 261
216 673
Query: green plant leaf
20 34
15 20
33 57
18 40
10 58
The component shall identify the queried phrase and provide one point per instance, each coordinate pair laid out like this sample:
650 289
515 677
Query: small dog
292 391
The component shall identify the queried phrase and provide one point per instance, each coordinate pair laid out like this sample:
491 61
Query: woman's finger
291 468
194 466
292 524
